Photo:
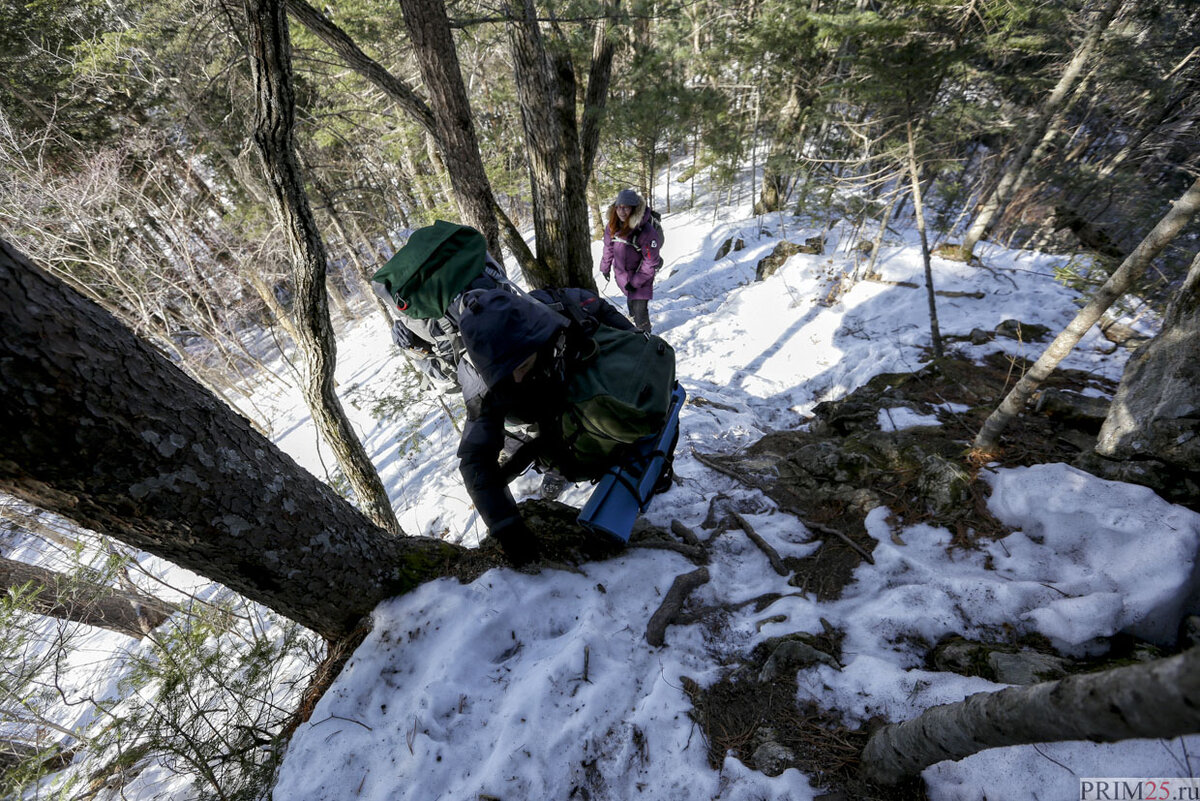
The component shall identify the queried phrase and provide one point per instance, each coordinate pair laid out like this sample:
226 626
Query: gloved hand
401 335
629 287
606 276
519 545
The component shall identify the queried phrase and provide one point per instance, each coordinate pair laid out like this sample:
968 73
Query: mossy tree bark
274 120
1158 699
97 426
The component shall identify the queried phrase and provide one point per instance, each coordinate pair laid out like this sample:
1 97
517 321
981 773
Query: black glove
401 335
518 543
629 287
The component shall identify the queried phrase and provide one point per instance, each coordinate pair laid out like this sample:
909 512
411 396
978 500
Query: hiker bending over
632 239
519 348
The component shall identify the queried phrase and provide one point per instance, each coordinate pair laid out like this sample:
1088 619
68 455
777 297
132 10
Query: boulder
782 252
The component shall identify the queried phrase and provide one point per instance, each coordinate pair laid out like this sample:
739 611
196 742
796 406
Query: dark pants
639 310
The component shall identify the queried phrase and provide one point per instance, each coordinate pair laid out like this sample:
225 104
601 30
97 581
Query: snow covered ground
522 686
479 691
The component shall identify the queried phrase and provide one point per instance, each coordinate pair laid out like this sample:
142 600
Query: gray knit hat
627 197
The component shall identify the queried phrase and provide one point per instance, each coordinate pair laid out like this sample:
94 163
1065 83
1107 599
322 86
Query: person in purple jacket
631 242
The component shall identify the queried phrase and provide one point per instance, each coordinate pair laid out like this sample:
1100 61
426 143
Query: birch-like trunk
1159 699
1017 169
1117 284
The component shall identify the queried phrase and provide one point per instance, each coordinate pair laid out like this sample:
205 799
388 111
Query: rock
957 655
773 759
1190 631
730 245
1156 411
791 656
1023 332
814 246
980 337
782 252
1083 411
1026 667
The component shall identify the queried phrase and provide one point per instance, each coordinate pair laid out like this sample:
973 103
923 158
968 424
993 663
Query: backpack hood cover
500 330
432 268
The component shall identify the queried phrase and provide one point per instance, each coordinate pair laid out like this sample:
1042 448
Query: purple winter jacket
633 260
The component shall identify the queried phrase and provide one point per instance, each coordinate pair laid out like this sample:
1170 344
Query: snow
542 685
480 690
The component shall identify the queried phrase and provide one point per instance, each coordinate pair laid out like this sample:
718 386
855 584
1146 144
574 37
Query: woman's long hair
635 218
614 222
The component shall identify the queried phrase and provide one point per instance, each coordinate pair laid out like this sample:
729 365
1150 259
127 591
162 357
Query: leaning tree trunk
71 598
1117 284
429 31
1156 411
271 66
447 116
97 426
1017 169
546 94
1156 699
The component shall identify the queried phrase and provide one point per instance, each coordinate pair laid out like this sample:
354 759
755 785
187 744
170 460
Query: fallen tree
1155 699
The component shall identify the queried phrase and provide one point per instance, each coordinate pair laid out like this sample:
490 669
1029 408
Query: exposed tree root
672 604
764 546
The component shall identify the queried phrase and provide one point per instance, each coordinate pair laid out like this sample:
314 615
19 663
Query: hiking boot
552 486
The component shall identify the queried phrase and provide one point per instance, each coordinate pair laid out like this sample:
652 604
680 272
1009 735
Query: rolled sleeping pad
625 490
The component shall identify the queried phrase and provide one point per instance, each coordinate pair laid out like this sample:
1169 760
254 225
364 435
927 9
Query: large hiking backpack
437 263
656 221
420 282
616 395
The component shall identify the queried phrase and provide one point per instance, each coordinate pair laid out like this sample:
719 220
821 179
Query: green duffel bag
437 263
615 396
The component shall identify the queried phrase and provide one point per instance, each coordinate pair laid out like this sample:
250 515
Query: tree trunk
546 94
1015 173
1156 411
447 117
1158 699
429 30
99 427
596 97
914 174
70 598
271 67
1117 284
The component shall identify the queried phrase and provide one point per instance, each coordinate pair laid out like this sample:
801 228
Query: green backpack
617 395
432 268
